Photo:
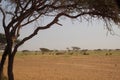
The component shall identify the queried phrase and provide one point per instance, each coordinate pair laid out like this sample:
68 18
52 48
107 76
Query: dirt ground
36 67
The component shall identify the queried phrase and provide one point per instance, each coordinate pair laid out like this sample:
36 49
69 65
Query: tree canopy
24 12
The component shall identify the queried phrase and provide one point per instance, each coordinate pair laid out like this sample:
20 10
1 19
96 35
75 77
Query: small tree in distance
43 50
17 14
75 48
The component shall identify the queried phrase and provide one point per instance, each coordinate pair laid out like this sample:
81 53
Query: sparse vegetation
102 52
60 53
25 51
50 67
59 67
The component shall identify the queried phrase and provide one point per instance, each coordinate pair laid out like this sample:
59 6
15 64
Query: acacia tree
17 14
75 48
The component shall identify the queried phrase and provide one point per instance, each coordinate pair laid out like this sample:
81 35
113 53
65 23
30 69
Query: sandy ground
36 67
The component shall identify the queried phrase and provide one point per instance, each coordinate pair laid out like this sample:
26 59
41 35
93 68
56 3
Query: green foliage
4 77
2 38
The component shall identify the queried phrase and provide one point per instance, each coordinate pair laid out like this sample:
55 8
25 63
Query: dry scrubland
66 67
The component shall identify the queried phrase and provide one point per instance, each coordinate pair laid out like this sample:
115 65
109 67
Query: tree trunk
7 52
2 65
4 56
10 67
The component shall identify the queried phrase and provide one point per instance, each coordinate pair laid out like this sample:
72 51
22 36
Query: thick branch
4 16
31 21
56 7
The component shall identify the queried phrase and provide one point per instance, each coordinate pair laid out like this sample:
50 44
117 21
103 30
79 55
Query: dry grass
37 67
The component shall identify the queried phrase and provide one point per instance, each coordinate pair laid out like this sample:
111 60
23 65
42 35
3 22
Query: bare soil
37 67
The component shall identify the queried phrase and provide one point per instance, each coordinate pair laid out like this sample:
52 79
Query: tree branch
4 17
55 7
30 21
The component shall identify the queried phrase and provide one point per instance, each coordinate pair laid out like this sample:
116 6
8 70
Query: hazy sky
85 35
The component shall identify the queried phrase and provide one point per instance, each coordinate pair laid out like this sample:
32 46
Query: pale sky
85 35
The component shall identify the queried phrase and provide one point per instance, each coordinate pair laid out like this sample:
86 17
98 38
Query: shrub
60 53
4 77
25 51
108 54
71 53
85 53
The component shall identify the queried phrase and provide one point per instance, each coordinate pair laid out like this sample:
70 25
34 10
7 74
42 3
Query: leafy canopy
105 9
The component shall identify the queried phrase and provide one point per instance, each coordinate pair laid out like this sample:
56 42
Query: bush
71 53
108 54
85 53
60 53
4 77
25 51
